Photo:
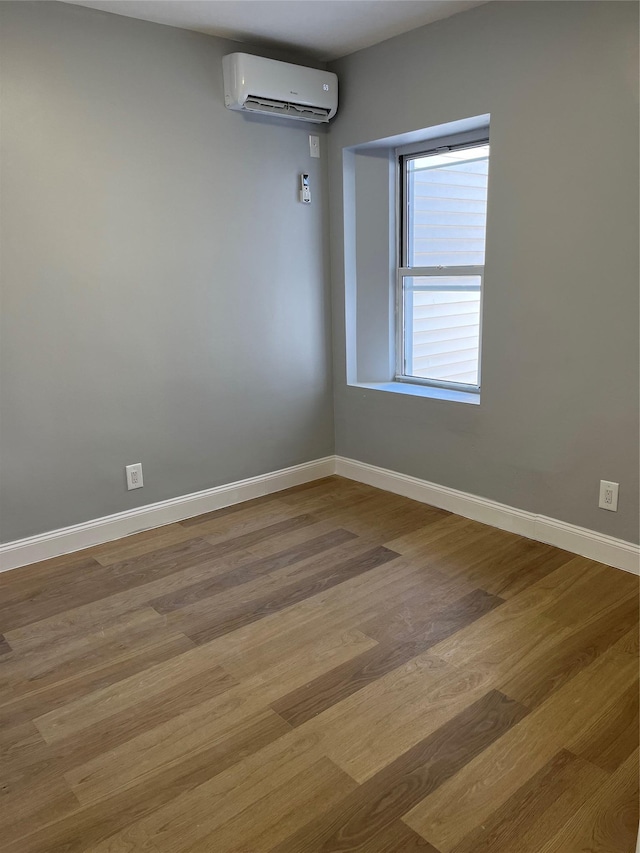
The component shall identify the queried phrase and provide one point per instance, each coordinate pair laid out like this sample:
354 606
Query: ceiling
325 29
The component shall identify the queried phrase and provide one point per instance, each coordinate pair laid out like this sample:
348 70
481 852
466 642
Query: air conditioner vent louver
259 85
287 109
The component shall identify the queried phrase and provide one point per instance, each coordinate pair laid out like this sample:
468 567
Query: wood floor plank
520 565
5 648
541 676
378 515
232 540
132 663
256 508
99 581
124 726
33 667
613 737
260 645
331 688
437 623
40 600
333 485
400 709
347 498
105 614
225 600
537 810
530 654
100 704
433 593
630 643
289 595
398 838
86 827
149 753
440 537
469 554
329 505
272 517
102 581
501 563
20 584
448 541
42 768
469 799
354 823
251 571
17 739
288 672
502 642
283 542
221 797
568 581
353 598
607 822
64 630
139 544
275 816
102 613
600 588
29 797
157 750
37 804
393 522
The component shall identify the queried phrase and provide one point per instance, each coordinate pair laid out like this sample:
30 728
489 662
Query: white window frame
471 139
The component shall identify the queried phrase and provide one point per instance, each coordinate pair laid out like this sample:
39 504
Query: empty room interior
319 426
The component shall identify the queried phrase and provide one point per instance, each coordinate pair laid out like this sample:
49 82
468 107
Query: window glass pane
447 208
442 328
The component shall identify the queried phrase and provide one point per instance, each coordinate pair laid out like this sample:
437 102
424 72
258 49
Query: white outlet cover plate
608 495
134 476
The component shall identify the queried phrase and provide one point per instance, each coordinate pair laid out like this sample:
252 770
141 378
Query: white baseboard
579 540
110 527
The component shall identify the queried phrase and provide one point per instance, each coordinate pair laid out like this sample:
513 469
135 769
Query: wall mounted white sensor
305 192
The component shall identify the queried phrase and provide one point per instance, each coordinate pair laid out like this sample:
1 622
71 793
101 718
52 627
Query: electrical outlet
134 476
608 495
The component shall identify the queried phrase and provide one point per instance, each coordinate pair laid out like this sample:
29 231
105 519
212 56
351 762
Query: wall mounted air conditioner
256 84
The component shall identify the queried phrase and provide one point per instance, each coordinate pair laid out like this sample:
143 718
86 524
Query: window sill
421 391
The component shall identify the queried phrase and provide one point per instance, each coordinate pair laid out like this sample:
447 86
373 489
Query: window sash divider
435 288
458 272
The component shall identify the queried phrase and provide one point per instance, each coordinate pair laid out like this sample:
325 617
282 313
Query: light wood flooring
331 668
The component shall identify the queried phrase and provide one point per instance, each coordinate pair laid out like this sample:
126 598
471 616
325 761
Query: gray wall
559 405
165 295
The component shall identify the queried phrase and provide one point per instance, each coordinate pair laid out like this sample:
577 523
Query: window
443 212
